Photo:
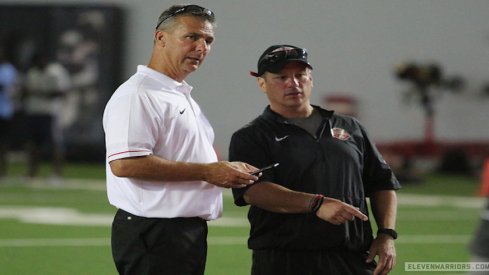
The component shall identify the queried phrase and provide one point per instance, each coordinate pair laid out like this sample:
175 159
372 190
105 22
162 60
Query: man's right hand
230 174
338 212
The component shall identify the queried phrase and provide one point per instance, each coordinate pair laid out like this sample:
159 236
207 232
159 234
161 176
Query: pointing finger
357 213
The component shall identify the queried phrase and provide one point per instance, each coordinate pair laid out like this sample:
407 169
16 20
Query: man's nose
202 45
292 81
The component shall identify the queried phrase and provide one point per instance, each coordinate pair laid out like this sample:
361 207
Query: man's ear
261 83
160 37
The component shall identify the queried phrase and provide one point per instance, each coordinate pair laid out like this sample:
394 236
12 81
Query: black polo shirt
341 163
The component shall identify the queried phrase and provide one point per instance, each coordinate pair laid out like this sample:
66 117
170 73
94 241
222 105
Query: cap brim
279 66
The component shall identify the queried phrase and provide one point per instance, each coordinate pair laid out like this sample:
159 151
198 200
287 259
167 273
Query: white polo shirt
153 114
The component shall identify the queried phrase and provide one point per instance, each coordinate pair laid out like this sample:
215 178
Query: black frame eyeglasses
284 54
193 9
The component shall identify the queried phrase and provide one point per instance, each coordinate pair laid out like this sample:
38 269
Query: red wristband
316 203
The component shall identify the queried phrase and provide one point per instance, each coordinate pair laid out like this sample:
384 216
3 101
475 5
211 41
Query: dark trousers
144 246
40 129
299 262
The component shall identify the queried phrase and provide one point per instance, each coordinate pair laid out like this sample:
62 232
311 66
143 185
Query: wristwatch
388 231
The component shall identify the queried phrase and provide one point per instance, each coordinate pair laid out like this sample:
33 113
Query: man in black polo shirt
309 214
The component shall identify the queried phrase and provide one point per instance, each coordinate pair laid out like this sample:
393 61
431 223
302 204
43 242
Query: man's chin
193 67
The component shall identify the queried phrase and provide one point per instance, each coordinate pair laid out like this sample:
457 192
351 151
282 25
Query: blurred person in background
479 246
8 83
46 84
309 215
163 173
79 51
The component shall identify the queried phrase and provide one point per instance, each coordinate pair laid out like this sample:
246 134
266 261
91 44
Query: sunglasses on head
193 9
284 54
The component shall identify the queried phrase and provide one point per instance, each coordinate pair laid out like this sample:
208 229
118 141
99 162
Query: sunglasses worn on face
193 9
279 56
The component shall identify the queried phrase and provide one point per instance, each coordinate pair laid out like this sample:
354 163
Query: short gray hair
166 19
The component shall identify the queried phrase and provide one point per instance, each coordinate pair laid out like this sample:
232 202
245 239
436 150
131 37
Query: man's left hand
383 246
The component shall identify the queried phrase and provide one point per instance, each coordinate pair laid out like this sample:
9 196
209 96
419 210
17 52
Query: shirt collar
269 114
167 81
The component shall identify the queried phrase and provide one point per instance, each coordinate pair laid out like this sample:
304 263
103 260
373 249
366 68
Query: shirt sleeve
130 126
377 174
247 149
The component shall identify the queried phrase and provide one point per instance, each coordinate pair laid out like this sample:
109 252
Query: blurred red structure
342 104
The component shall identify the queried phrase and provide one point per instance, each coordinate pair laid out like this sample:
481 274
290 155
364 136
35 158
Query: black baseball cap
276 57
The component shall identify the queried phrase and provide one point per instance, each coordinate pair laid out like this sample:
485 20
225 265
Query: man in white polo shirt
162 171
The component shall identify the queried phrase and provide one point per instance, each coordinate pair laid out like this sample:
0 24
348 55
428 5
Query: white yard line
75 242
213 240
439 200
403 198
68 216
54 242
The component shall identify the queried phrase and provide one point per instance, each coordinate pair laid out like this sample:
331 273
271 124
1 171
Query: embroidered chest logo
340 133
182 111
278 139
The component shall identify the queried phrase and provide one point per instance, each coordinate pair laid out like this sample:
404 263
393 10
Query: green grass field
65 229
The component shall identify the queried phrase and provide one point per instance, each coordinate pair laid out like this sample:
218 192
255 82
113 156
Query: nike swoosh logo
281 138
182 111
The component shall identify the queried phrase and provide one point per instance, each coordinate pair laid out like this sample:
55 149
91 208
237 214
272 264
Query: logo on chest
279 139
340 133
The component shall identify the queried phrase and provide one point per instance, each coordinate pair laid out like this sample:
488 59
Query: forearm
158 169
276 198
384 208
222 173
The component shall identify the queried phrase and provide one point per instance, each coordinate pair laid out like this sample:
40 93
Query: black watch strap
388 231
